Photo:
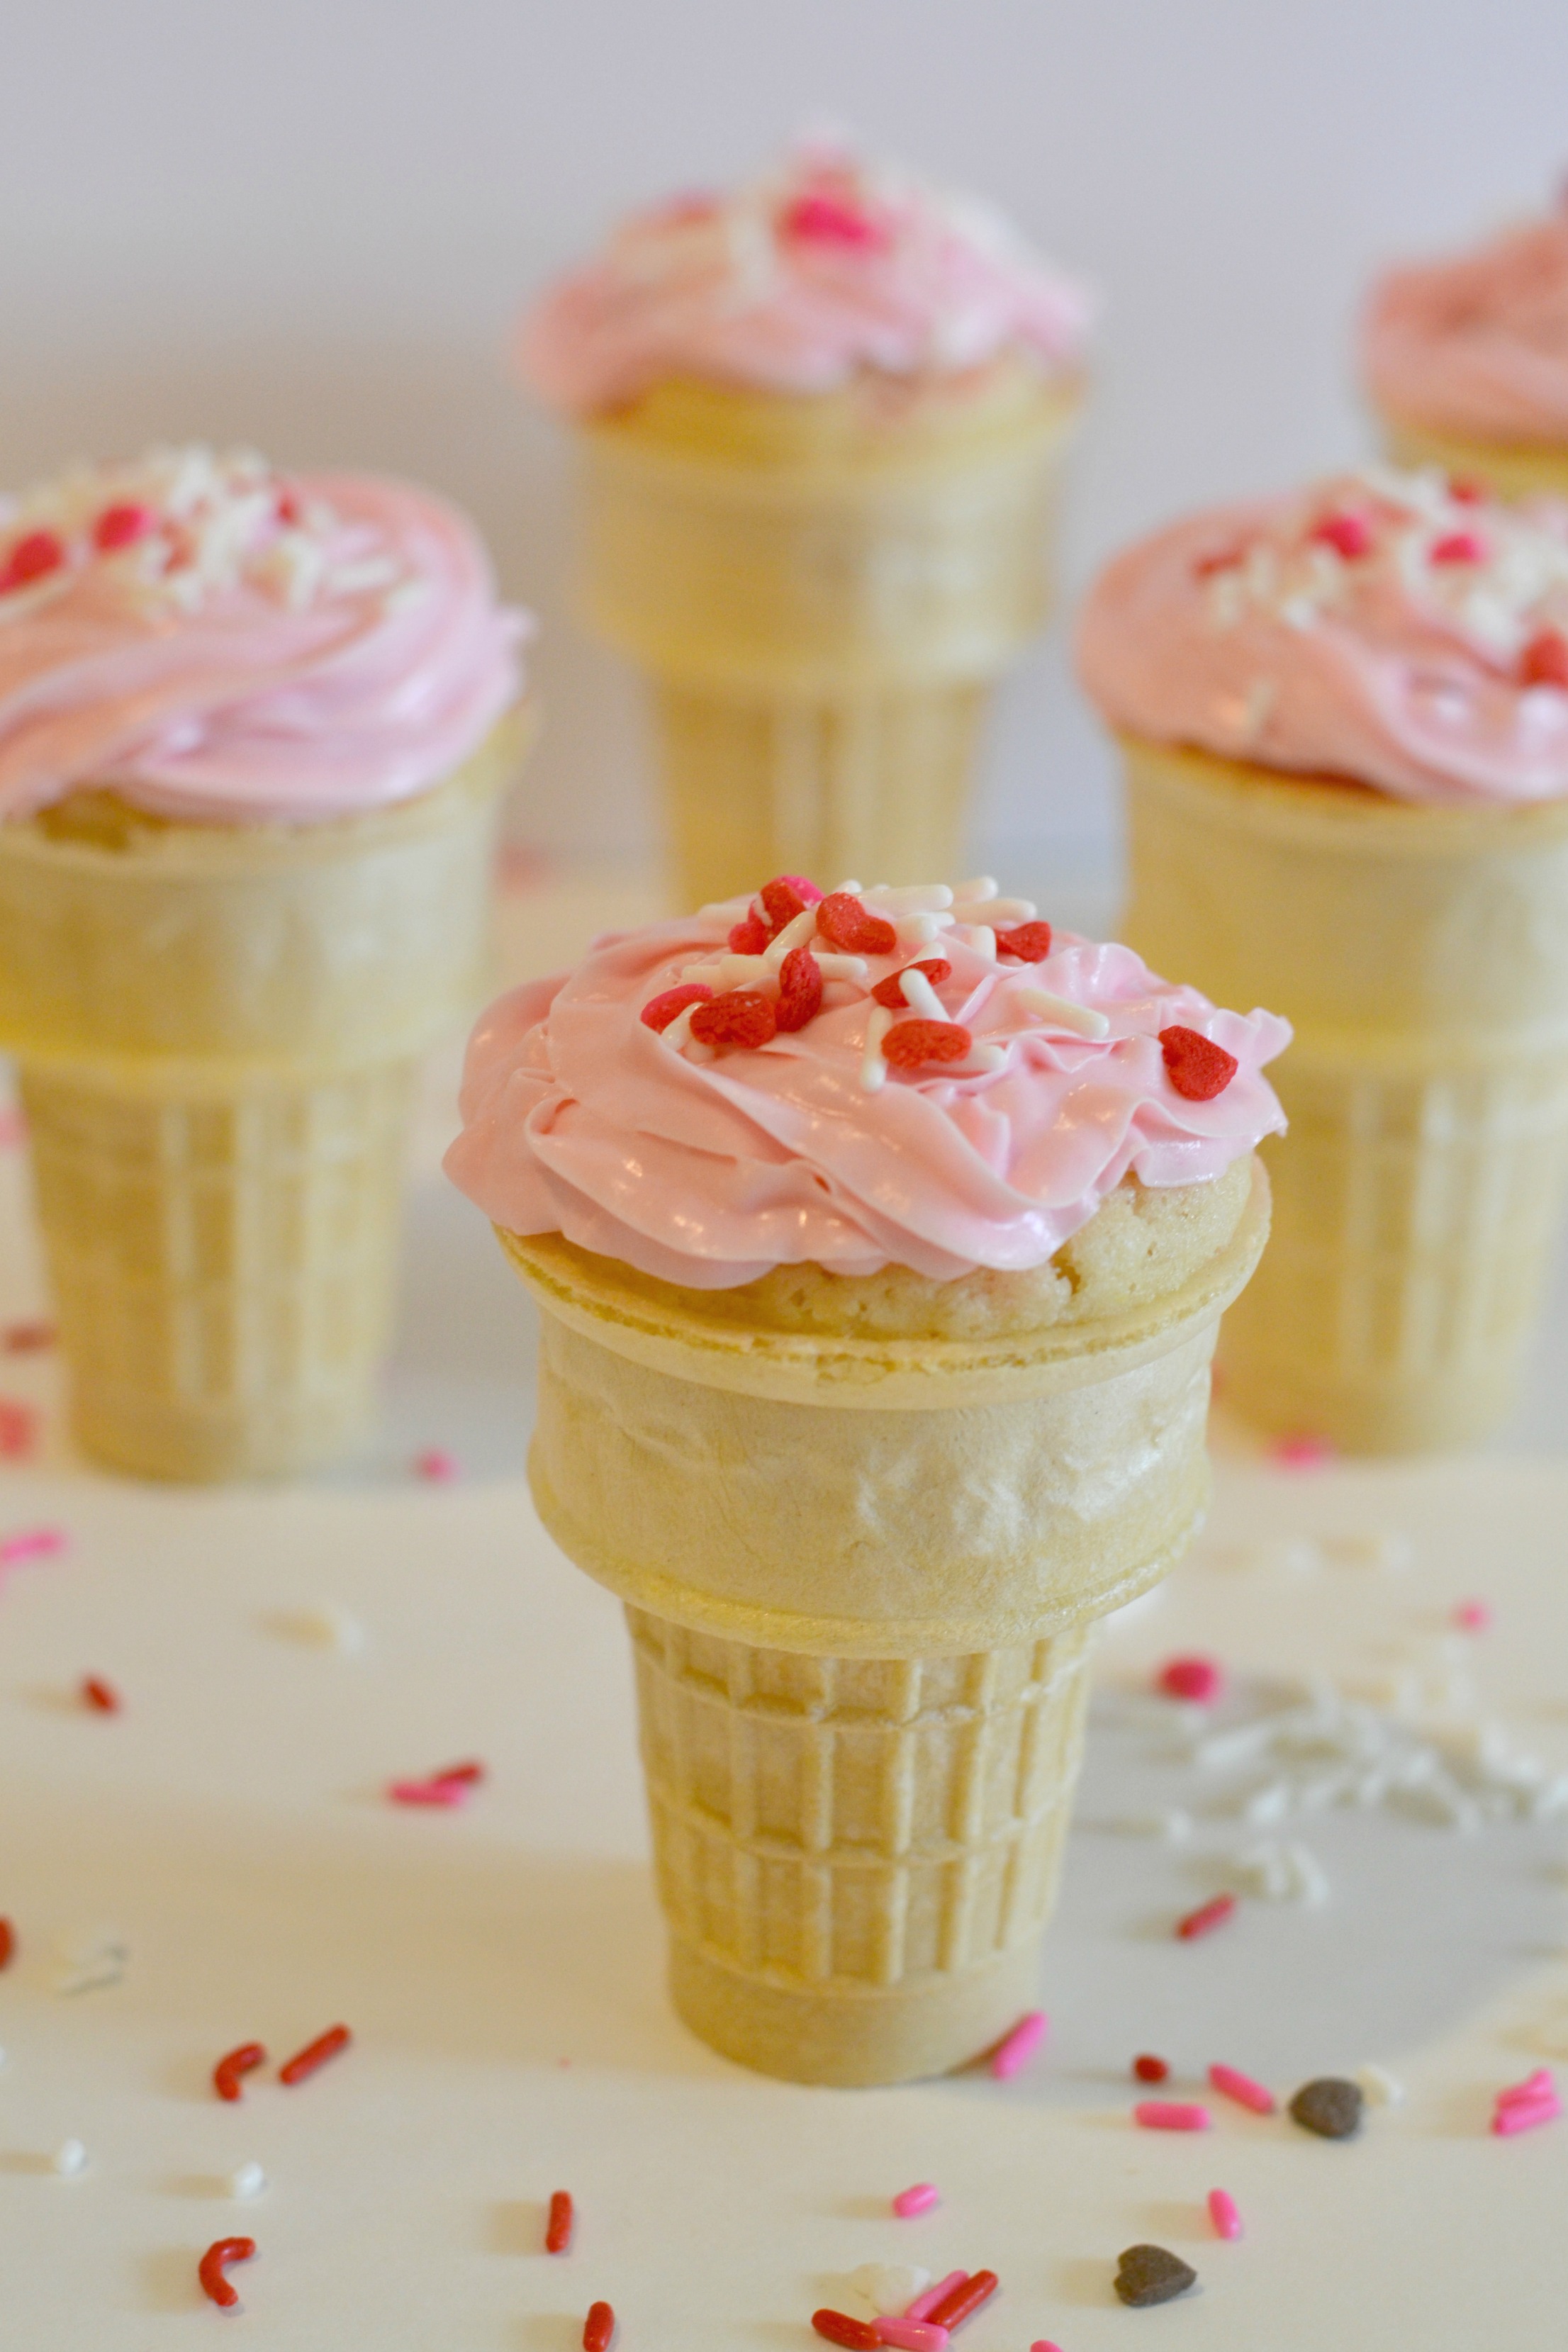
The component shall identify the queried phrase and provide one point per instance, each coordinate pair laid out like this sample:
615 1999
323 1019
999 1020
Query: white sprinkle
333 1627
918 898
873 1069
982 940
846 890
1267 1805
844 967
889 2287
979 1061
247 2181
918 930
677 1034
994 910
68 2160
921 996
974 894
795 934
1383 2089
1173 1827
1082 1019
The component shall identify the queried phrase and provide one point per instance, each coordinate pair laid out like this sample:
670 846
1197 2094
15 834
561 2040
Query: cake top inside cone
827 266
1477 345
922 1077
1401 630
212 639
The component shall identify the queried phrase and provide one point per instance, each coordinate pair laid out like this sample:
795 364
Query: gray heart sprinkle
1151 2274
1329 2106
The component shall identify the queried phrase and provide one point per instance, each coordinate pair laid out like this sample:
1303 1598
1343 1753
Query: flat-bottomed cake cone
1422 955
217 1028
824 600
862 1577
1513 470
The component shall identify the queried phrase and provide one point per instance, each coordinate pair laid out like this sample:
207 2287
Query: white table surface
500 1967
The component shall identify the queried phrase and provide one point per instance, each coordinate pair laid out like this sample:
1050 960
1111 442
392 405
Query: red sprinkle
1545 661
890 991
786 896
26 1338
33 558
7 1943
122 526
964 2300
1196 1066
210 2269
1458 547
469 1775
19 1429
1149 2069
1030 943
1468 490
315 2053
598 2328
739 1017
1219 558
750 936
800 989
1205 1918
96 1693
839 2328
660 1010
847 924
1348 534
1301 1449
1202 1679
822 219
914 1042
233 2064
558 2230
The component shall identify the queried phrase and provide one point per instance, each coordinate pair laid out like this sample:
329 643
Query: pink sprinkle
1302 1451
824 219
1524 2114
1205 1918
1539 2085
1473 1616
34 1543
929 2300
911 2334
1202 1679
1459 547
1348 534
1170 2115
439 1466
13 1128
918 2200
449 1793
1242 2089
1041 2346
1223 2213
1012 2056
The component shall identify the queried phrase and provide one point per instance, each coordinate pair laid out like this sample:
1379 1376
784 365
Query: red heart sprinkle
1468 490
1348 534
1458 547
122 526
890 991
1545 661
833 220
749 937
660 1010
800 989
1030 943
33 558
787 897
739 1017
1198 1068
914 1042
846 924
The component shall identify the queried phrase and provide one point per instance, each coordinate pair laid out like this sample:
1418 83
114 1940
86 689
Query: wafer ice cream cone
1412 924
865 1504
822 426
223 955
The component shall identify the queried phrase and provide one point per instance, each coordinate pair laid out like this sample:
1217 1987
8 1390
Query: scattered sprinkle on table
1149 2069
210 2269
1171 2114
1205 1918
1224 2215
247 2181
889 2287
1473 1616
7 1943
1147 2275
233 2064
558 2226
26 1338
1199 1680
908 2334
19 1429
1522 2107
918 2200
32 1543
439 1468
68 2160
598 2328
1233 2084
925 2305
837 2328
1013 2054
305 2062
1302 1451
1381 2087
1330 2107
100 1696
964 2300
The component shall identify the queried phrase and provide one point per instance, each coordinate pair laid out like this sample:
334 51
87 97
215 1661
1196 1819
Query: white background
310 224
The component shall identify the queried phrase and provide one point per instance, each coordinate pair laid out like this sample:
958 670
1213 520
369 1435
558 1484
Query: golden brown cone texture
824 591
217 1028
1513 470
862 1579
1421 954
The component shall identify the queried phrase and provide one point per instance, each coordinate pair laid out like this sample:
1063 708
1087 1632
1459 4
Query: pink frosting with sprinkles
794 283
581 1120
1478 344
217 641
1389 627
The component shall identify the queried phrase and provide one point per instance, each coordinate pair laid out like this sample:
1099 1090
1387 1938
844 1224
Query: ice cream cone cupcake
1345 720
820 424
881 1242
1466 359
252 738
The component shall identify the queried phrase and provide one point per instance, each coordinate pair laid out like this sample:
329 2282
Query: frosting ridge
1477 345
214 640
1406 632
711 1164
794 282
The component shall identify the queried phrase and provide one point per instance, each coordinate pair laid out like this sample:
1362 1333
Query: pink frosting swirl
581 1120
216 642
1381 626
1477 345
795 283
